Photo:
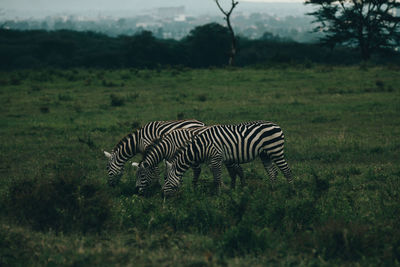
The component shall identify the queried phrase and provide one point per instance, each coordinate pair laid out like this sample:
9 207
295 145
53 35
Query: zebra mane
123 139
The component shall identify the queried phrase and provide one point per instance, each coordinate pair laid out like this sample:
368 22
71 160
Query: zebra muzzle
136 191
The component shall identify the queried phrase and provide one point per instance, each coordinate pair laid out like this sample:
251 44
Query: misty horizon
12 9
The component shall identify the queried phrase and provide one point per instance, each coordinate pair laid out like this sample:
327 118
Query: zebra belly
237 155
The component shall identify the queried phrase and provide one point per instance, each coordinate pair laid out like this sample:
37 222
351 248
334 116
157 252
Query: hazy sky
68 4
40 8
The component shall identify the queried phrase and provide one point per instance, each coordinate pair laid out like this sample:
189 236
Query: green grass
342 129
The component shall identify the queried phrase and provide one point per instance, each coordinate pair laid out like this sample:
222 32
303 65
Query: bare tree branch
232 33
234 4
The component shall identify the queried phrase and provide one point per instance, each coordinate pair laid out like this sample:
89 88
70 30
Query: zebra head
172 180
146 176
114 170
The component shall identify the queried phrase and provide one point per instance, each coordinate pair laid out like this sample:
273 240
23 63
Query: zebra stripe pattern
136 143
165 148
230 144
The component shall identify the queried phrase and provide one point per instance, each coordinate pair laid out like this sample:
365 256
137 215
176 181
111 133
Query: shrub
65 97
116 100
338 239
300 214
108 84
190 212
63 202
88 82
44 109
35 88
132 96
13 246
243 239
3 82
42 77
88 141
15 80
202 98
380 85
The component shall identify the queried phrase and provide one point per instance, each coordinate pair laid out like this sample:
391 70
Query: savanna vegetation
342 126
206 46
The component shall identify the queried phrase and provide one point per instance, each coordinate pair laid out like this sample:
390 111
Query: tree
144 50
232 33
368 25
207 45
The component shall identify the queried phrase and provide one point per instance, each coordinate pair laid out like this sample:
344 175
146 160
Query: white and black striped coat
227 144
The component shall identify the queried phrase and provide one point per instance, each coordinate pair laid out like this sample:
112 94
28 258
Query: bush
64 202
65 97
202 98
348 241
108 84
243 239
44 109
117 101
189 212
13 246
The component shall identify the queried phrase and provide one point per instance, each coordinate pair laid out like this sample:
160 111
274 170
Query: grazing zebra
137 142
165 148
230 144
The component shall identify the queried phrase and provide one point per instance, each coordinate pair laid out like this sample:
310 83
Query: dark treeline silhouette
205 46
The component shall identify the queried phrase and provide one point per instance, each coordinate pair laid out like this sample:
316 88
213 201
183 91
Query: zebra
165 148
136 142
230 144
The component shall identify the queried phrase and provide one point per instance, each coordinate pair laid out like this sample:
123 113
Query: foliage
205 46
369 25
117 101
340 123
66 202
208 45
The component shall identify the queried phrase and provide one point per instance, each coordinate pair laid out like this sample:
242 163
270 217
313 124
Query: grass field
342 129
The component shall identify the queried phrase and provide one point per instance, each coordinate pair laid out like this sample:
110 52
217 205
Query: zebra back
136 142
166 146
226 136
154 130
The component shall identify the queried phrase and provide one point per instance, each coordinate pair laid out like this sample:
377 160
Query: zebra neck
127 147
183 164
168 152
181 168
155 157
146 135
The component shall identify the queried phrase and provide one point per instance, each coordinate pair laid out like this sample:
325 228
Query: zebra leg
282 164
232 174
216 169
155 175
239 171
235 169
196 173
287 172
269 166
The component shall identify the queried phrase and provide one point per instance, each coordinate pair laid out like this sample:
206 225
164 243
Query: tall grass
342 131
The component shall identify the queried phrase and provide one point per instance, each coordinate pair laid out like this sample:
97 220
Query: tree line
206 46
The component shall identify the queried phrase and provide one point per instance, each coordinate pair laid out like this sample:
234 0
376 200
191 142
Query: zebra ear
135 164
108 155
168 165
